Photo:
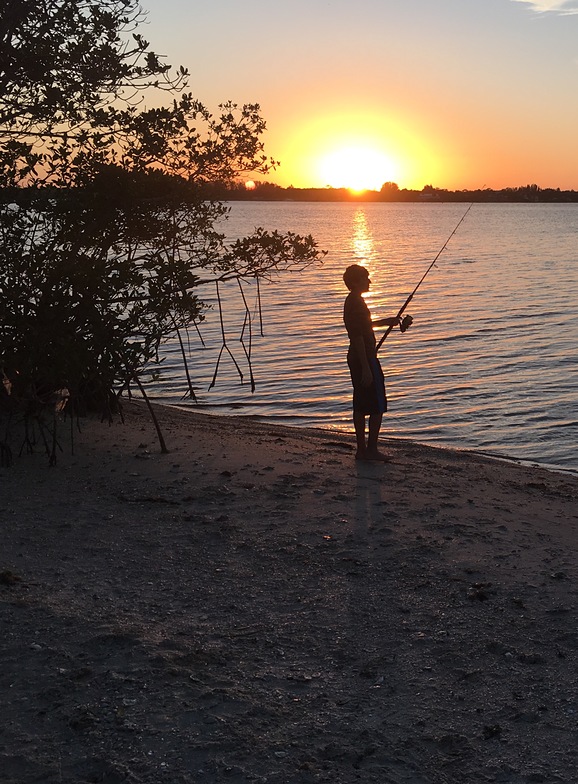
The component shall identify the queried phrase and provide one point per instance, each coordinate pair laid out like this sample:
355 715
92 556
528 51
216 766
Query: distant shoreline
389 193
529 194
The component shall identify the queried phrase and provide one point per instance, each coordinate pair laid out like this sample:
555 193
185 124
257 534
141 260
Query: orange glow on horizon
359 151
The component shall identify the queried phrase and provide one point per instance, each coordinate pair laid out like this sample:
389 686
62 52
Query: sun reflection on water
362 242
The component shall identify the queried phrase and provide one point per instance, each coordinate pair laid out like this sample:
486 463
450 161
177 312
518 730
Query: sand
257 606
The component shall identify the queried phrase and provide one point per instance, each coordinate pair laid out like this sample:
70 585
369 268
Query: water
490 363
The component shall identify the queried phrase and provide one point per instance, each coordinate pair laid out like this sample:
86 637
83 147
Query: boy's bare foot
374 456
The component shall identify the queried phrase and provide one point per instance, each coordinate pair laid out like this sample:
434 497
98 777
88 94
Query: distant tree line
389 192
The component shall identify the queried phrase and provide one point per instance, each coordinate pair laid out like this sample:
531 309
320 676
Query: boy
369 399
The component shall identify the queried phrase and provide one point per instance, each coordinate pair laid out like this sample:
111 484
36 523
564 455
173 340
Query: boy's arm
386 322
404 323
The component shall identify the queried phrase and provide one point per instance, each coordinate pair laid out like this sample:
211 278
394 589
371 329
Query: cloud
563 7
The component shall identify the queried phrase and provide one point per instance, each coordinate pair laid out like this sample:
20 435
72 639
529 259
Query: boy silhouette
369 397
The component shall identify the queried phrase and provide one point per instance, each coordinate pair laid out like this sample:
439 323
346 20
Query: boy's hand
405 323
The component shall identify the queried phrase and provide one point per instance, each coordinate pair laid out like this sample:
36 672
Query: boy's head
355 276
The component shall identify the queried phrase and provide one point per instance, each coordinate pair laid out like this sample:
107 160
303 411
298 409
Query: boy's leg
359 425
372 452
374 428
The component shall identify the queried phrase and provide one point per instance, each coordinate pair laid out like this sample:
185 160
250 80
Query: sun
358 148
358 168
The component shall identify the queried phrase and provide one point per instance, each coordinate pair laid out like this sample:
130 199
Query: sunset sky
460 94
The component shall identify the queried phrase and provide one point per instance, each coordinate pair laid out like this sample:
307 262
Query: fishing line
409 299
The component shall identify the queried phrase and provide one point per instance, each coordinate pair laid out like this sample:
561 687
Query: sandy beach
257 606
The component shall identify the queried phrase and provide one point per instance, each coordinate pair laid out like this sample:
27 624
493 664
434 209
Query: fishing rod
424 276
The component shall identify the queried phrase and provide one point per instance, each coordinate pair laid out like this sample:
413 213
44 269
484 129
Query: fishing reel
405 323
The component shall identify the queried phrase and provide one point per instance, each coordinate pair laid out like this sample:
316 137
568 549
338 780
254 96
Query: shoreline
257 606
256 418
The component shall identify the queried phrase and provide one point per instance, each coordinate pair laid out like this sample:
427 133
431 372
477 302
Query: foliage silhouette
107 236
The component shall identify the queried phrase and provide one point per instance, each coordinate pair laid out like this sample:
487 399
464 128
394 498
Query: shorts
370 399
